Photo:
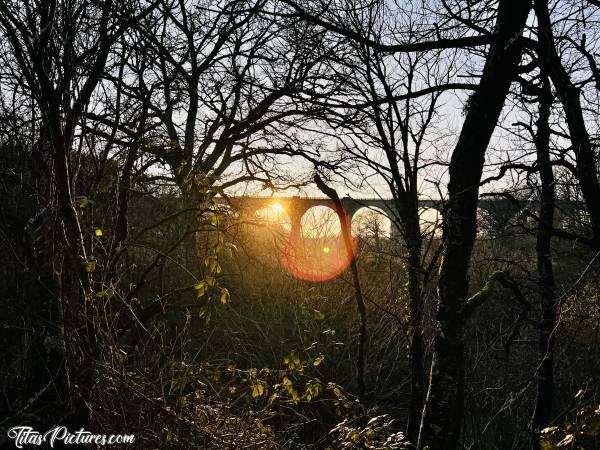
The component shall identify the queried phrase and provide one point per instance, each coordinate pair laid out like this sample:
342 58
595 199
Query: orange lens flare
311 260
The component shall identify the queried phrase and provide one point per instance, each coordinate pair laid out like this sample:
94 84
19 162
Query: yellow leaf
82 201
295 358
318 360
98 232
312 391
215 267
319 315
232 389
90 266
225 297
355 436
258 389
200 288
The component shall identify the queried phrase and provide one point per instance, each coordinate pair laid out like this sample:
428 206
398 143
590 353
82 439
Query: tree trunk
360 302
417 373
79 328
442 414
545 371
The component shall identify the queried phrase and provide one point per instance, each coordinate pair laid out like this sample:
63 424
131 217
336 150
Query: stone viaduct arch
501 209
296 207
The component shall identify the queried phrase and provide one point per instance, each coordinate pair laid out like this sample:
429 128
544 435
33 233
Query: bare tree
441 422
222 82
390 132
569 94
60 49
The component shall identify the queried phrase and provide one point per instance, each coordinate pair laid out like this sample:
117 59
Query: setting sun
277 208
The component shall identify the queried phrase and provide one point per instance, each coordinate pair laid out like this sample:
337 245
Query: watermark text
24 435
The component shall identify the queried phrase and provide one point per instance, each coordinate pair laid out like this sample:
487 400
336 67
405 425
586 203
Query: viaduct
500 210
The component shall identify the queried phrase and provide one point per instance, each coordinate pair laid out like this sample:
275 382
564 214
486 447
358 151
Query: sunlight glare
315 260
277 208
